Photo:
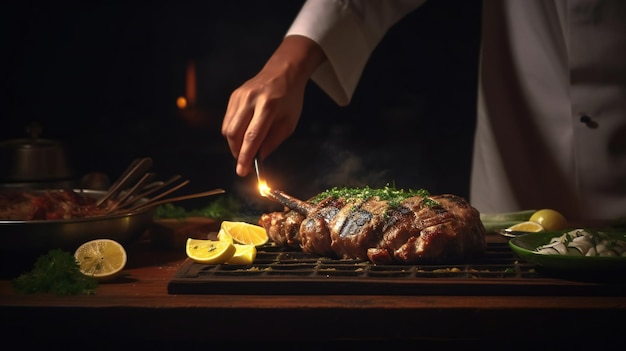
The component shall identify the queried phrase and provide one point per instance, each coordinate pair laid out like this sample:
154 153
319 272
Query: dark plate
279 270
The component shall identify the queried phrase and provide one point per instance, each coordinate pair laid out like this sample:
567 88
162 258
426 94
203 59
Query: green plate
524 246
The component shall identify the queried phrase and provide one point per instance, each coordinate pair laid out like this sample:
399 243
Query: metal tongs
130 192
136 169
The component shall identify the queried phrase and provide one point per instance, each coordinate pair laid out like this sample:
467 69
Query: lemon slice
209 251
245 233
244 254
223 236
102 259
528 226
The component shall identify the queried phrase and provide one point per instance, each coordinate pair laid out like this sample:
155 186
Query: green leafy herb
56 272
390 194
224 207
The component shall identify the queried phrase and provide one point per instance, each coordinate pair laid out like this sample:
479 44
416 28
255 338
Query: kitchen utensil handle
136 168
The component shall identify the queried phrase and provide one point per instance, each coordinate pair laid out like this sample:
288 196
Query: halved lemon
527 226
549 219
244 254
209 251
102 259
245 233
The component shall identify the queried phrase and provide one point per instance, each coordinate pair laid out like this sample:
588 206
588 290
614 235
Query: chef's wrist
298 57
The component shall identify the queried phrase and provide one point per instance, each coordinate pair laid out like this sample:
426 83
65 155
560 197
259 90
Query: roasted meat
402 228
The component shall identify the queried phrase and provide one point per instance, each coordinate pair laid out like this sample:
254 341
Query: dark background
103 77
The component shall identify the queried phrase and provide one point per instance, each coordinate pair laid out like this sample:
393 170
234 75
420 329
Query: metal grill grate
277 270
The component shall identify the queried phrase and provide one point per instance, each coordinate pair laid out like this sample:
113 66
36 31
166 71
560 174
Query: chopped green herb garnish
392 195
55 272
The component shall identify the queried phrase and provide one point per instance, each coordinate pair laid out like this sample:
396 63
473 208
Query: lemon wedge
209 251
244 254
527 226
224 236
102 259
245 233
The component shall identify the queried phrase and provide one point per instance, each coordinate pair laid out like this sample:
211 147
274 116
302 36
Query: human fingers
238 115
253 137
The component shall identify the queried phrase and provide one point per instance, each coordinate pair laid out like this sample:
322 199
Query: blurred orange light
181 102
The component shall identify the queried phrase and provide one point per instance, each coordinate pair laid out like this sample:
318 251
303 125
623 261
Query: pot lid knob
34 129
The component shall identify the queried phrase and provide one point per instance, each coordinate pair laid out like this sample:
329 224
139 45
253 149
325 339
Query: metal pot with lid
34 162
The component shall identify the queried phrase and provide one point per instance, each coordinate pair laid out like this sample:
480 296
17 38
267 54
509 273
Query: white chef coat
544 66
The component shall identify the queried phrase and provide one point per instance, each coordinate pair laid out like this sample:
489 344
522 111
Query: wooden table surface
138 308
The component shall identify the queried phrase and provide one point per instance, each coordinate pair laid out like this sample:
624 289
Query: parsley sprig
55 272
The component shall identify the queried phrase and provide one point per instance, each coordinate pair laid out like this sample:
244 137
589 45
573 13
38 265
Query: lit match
264 189
277 195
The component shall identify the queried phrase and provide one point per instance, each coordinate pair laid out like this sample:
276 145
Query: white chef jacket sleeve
348 31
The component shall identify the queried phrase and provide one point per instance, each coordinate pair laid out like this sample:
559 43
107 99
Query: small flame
264 189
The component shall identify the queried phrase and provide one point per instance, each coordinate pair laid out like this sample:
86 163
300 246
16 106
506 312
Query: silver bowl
42 235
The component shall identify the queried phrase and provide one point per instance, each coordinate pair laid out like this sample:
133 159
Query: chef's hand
265 110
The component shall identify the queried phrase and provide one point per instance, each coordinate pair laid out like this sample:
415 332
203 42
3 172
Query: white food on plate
582 242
